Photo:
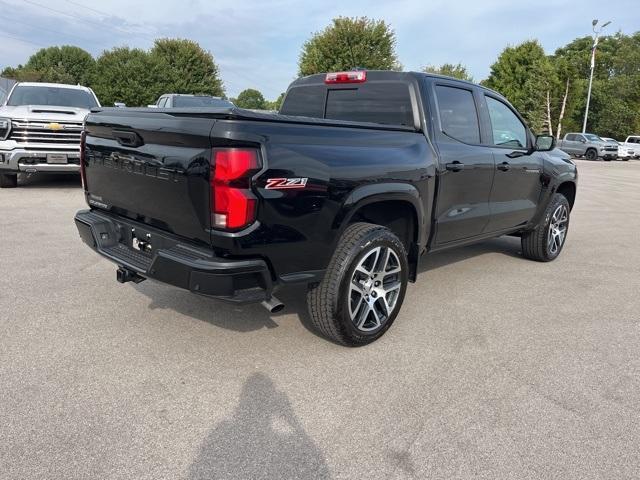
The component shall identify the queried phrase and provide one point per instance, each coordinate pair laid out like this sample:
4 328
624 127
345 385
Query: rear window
304 102
388 103
384 102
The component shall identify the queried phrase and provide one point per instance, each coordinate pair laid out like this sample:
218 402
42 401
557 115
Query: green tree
187 68
276 104
128 75
65 64
522 74
450 70
349 43
615 98
251 98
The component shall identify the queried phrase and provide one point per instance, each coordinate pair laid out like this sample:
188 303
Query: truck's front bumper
172 260
34 161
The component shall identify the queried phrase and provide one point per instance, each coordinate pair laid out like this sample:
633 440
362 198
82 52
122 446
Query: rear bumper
174 261
33 161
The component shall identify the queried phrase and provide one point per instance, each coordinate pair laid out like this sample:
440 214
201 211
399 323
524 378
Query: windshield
52 96
201 102
593 138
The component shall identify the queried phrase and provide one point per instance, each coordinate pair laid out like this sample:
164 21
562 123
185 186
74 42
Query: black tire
332 302
591 154
8 180
538 244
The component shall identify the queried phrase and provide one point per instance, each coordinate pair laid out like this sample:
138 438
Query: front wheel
363 288
545 242
591 154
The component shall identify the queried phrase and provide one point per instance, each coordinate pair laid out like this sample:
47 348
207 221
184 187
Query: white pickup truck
624 153
40 128
633 142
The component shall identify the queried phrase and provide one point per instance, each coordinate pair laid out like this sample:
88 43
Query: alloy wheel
374 288
557 229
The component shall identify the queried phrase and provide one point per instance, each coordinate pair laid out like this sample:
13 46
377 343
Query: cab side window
458 114
571 137
507 129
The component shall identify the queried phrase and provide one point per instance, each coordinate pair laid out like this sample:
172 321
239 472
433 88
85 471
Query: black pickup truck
358 175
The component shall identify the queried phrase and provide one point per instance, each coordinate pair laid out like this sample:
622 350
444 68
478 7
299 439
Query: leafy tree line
549 90
130 75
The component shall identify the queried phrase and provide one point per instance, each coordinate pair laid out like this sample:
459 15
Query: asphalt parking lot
496 368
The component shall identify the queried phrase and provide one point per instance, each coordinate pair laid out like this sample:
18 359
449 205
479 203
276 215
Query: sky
256 43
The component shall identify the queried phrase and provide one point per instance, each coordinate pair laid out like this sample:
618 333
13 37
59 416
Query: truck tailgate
152 167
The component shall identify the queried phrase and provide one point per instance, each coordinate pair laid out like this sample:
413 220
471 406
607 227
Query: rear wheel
363 288
545 242
8 180
591 154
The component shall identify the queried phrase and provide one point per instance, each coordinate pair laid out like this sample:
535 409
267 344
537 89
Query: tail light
233 205
359 76
83 172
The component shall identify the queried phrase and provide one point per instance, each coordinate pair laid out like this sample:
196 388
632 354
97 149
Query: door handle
504 166
455 166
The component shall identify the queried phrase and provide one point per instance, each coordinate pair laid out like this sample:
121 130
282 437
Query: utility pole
593 65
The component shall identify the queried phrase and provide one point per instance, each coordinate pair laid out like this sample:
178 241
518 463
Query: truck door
466 168
518 180
575 144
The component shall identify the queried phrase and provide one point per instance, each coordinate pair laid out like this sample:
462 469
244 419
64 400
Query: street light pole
593 64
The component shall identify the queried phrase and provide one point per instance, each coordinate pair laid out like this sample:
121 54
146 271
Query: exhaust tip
273 305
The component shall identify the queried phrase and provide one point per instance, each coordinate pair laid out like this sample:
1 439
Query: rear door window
458 114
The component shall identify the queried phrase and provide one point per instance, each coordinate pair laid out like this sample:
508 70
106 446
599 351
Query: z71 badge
283 183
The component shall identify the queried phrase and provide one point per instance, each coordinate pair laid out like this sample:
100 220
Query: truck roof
58 85
318 79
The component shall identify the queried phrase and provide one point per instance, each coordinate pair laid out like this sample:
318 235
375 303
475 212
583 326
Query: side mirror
119 104
545 143
582 140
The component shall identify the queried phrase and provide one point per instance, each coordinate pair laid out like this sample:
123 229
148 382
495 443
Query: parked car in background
589 146
633 141
40 127
624 152
181 100
359 174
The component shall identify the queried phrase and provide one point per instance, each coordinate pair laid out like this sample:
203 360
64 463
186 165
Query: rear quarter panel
298 228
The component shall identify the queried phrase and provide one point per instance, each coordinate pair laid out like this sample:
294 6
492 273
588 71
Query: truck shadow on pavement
248 318
509 246
239 318
50 180
263 440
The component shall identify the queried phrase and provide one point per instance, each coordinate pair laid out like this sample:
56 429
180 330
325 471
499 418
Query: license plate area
141 241
57 158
